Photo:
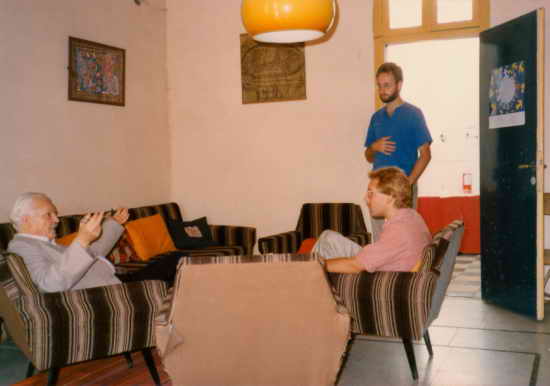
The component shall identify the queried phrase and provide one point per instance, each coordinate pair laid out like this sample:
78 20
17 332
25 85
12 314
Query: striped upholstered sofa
61 328
402 304
346 218
231 240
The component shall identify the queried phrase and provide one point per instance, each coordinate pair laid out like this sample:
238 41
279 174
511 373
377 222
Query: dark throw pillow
190 234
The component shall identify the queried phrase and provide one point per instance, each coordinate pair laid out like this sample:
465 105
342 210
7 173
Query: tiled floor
466 280
474 343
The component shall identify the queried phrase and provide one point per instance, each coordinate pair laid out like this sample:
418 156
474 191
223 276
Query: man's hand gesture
90 228
121 215
384 145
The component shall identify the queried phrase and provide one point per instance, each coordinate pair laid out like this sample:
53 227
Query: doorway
441 77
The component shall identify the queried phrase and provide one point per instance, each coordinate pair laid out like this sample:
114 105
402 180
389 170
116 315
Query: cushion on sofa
67 239
307 245
149 236
122 251
191 234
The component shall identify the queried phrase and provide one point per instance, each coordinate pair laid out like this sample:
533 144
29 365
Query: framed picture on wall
96 72
272 72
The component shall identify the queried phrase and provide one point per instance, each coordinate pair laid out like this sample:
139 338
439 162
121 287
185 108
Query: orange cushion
149 236
67 239
307 245
122 251
417 266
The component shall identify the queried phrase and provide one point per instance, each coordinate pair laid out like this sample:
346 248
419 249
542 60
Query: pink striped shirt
400 245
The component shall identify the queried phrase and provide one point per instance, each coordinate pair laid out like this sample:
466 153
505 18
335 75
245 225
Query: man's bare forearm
344 265
369 154
421 163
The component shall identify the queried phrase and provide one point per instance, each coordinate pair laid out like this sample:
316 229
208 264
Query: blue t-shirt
407 128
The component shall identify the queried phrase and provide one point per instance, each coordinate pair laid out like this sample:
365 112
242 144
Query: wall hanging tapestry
272 72
96 72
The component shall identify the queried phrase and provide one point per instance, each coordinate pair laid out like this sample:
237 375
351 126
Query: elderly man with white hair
57 268
82 264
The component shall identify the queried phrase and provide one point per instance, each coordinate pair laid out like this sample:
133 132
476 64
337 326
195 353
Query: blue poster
507 96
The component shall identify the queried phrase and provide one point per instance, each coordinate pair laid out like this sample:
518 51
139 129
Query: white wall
84 155
256 164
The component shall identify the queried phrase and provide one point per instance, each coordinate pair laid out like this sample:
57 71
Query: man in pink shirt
403 237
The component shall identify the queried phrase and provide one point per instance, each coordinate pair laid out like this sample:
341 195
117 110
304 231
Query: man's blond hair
394 182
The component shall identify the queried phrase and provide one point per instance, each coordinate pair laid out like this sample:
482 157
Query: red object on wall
440 211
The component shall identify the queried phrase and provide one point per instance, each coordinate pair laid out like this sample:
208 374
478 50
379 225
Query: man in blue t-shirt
397 134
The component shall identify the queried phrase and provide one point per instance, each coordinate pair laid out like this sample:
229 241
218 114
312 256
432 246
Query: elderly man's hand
90 228
121 215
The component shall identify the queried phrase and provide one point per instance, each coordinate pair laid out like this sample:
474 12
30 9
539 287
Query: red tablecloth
439 211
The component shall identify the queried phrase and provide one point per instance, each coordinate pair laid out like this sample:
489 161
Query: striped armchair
402 304
346 218
58 329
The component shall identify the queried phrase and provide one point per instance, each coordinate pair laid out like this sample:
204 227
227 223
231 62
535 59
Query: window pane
405 13
454 10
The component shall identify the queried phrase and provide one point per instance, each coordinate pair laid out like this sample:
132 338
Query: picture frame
96 72
272 72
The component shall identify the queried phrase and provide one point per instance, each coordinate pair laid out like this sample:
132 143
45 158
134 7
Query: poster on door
507 96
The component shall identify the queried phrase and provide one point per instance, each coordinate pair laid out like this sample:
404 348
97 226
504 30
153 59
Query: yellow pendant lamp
287 21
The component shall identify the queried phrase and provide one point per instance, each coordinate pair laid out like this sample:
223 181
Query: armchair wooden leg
30 370
428 343
410 357
53 374
148 356
129 359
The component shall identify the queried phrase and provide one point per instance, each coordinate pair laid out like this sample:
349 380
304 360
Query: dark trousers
162 269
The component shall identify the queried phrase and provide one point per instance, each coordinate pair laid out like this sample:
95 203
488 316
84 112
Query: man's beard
390 98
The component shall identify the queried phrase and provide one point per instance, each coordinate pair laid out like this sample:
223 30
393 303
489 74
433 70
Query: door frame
540 163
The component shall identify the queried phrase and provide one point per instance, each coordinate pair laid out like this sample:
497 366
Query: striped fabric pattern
21 276
7 282
386 303
191 253
345 218
442 238
270 258
235 236
73 326
288 242
399 304
224 235
232 239
123 251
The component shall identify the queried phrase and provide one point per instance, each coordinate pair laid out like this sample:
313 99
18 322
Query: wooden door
511 164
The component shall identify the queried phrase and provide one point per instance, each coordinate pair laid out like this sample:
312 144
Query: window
404 17
449 11
407 21
405 13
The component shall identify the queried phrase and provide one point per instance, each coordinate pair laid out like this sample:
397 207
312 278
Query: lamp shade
287 21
